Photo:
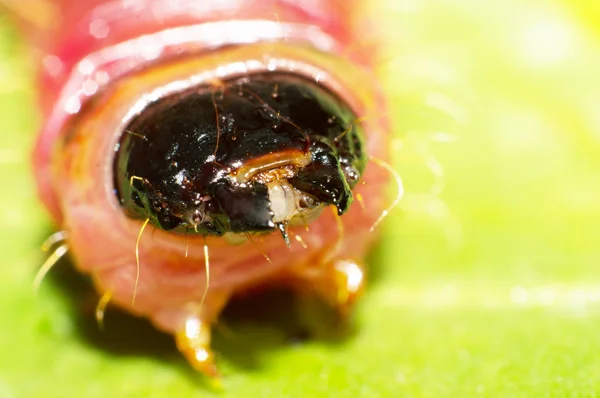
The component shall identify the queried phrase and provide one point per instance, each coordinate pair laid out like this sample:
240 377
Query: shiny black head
246 155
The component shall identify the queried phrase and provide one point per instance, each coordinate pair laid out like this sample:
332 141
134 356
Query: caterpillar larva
194 150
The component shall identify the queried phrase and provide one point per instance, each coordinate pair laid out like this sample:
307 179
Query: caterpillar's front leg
342 282
193 337
339 282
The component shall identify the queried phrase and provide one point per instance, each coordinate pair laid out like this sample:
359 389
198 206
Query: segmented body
109 62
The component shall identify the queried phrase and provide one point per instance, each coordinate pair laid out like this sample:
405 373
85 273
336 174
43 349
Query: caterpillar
193 151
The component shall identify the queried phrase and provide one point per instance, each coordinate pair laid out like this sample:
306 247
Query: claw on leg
340 282
193 341
348 283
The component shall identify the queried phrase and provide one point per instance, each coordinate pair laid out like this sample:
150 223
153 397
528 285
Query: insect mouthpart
243 155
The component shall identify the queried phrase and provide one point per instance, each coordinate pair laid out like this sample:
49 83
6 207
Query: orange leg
339 282
193 339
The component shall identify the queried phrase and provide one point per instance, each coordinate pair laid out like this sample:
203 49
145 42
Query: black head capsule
251 154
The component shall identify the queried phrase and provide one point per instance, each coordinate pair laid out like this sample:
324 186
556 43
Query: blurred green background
489 287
